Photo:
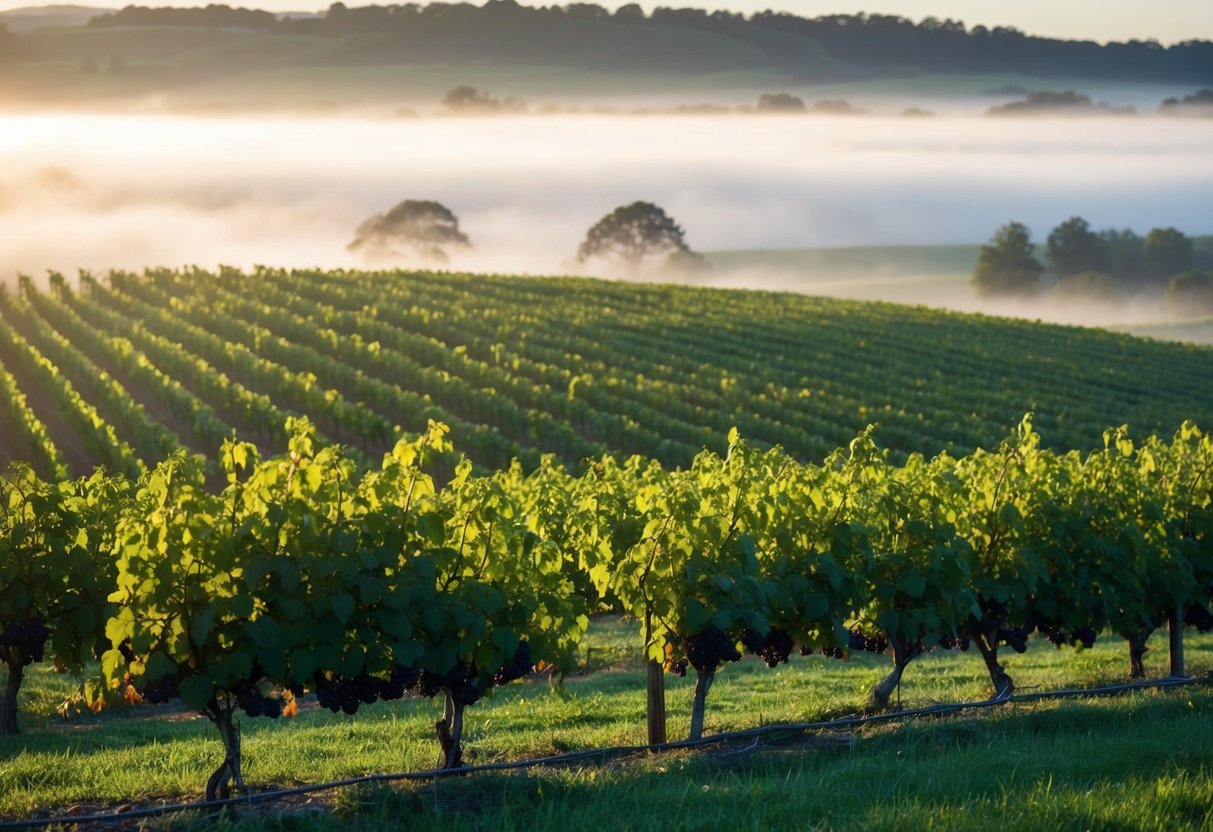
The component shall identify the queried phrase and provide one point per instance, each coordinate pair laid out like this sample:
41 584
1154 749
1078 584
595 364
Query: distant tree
586 11
916 112
1074 248
633 234
1167 252
465 99
780 102
1200 103
421 229
1006 265
1125 257
630 11
1191 293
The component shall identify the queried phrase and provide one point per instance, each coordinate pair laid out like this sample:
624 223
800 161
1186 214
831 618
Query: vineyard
348 553
119 371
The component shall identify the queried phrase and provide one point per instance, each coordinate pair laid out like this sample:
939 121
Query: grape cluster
678 668
1198 616
251 700
460 681
830 651
711 647
1057 635
773 648
951 641
28 636
517 667
348 693
160 691
856 640
1015 637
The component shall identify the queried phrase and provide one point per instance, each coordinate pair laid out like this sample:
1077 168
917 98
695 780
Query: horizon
1167 21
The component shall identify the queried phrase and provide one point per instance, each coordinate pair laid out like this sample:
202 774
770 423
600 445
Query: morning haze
214 135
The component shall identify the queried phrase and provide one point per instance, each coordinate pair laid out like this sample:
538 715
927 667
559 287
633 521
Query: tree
421 228
1006 266
1167 252
1125 259
1074 248
780 102
465 99
633 234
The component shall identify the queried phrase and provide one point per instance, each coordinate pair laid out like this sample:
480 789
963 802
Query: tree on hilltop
421 229
1167 252
1006 265
1074 248
636 234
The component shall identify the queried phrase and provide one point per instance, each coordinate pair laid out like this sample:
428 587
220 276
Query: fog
99 192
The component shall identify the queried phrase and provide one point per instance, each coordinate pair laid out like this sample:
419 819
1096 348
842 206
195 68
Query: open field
1141 760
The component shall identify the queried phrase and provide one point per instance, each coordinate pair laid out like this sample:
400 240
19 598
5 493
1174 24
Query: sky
1168 21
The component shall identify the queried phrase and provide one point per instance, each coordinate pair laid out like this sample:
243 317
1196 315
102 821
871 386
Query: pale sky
1168 21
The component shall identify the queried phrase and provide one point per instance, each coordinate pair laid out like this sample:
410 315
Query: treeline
304 574
697 40
1108 264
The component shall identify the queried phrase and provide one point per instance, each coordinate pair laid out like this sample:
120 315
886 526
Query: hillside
195 55
30 18
135 365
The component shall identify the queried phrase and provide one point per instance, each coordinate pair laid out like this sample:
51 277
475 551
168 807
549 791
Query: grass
1133 761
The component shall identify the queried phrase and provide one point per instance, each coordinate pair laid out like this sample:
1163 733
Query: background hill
140 51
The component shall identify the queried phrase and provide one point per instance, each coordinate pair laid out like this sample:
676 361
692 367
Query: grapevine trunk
8 710
1137 650
703 681
988 645
228 775
450 731
902 656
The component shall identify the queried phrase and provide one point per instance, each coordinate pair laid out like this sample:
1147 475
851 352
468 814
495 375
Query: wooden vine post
1177 642
656 703
655 689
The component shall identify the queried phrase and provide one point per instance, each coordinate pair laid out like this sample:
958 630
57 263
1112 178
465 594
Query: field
1140 760
126 368
328 579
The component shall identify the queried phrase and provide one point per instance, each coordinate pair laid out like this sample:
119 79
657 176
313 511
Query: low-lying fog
97 192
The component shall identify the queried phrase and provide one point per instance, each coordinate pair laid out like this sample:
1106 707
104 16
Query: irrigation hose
576 756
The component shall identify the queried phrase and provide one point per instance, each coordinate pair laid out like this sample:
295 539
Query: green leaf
263 631
343 607
202 623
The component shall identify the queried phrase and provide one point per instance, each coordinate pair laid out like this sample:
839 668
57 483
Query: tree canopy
421 229
1074 248
1006 266
1167 252
639 235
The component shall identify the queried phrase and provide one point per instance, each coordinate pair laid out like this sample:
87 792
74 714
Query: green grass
1131 761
